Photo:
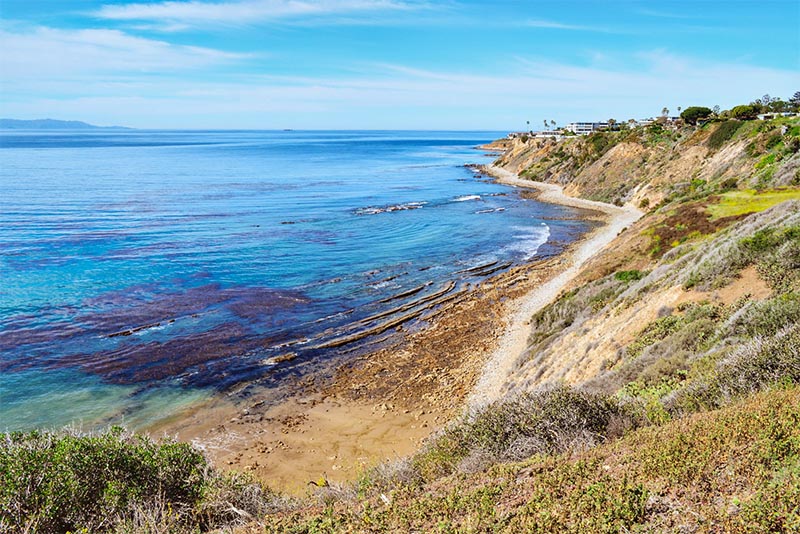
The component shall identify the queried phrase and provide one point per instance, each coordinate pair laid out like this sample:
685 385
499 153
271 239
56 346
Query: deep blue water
143 270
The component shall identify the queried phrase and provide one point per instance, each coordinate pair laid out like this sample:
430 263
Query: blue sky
388 64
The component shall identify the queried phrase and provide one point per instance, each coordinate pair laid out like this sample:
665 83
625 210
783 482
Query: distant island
52 124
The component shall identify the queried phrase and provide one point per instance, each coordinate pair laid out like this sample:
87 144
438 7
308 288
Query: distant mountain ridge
52 124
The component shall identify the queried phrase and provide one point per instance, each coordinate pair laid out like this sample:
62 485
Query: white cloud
554 25
47 52
402 96
175 15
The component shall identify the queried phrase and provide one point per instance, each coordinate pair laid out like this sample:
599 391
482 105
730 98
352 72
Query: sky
388 64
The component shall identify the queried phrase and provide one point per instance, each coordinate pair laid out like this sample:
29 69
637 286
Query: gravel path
500 365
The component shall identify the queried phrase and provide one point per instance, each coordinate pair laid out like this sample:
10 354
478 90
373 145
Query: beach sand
381 406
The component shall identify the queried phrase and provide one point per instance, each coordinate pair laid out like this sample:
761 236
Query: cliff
659 391
652 164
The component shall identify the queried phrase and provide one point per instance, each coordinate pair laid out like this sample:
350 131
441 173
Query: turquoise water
144 270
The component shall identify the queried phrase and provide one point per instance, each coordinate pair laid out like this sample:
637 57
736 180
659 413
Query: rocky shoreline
383 404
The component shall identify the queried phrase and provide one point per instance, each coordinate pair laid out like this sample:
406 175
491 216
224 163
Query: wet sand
382 405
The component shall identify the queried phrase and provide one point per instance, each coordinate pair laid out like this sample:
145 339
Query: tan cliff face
629 167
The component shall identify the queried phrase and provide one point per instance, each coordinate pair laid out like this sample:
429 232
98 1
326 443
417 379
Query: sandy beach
382 405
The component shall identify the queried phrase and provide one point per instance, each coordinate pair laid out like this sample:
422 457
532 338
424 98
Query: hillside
657 393
653 164
51 124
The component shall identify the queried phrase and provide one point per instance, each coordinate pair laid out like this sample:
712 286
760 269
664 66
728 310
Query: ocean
142 272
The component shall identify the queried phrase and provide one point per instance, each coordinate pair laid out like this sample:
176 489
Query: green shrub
655 331
656 134
729 183
773 141
573 307
753 149
775 252
767 239
723 134
781 269
766 317
59 482
629 276
792 145
543 422
599 142
761 363
769 159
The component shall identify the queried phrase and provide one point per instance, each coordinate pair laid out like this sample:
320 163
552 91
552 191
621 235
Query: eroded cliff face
591 334
647 165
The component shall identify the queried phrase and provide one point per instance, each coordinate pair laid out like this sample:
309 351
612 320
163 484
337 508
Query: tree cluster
693 114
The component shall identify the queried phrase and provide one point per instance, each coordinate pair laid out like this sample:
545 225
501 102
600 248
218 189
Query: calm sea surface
142 271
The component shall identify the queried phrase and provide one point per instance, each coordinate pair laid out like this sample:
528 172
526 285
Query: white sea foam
465 198
529 240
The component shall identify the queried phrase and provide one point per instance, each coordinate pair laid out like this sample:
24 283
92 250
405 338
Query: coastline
384 404
502 361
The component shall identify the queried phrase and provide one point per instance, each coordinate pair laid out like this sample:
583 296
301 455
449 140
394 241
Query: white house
585 128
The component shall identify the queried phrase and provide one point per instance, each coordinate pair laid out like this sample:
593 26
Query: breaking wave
529 240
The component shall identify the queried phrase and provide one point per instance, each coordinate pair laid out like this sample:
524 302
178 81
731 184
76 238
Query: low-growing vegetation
734 470
547 421
694 428
773 250
750 201
691 424
116 482
723 133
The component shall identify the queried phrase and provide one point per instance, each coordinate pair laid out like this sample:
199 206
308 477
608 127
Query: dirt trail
512 344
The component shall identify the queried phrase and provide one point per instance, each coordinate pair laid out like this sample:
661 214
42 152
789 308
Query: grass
735 203
732 470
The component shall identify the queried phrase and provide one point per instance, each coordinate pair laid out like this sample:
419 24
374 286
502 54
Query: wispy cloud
663 14
556 25
551 24
401 96
44 52
176 15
